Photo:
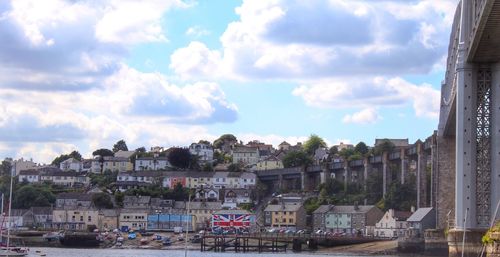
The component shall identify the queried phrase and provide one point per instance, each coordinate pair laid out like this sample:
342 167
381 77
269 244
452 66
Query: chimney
412 209
356 207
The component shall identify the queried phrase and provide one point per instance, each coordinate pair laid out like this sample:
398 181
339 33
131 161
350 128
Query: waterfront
64 252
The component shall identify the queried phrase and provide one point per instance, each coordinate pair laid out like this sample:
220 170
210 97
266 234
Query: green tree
75 155
374 190
207 167
361 148
400 196
346 153
5 167
120 146
180 157
225 140
205 142
29 196
119 196
314 142
235 167
103 152
102 201
296 159
385 146
334 150
141 149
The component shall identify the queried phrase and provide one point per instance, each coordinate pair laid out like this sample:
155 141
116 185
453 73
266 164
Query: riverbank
372 248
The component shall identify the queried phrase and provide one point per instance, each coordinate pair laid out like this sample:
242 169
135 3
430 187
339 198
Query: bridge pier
384 173
403 166
367 168
495 138
421 176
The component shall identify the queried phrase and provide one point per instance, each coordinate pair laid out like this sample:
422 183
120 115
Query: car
319 232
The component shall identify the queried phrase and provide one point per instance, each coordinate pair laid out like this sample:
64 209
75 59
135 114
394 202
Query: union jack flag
231 220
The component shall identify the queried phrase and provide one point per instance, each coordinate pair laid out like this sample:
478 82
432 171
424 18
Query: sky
83 74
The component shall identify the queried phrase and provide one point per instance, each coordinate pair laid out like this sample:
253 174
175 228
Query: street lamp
158 212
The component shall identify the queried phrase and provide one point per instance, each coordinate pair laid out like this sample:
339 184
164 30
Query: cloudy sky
84 74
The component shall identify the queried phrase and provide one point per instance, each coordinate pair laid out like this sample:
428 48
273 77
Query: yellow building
291 216
135 219
269 163
108 219
119 164
202 212
75 219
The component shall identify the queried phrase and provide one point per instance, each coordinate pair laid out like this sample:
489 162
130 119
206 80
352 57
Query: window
290 220
90 218
81 218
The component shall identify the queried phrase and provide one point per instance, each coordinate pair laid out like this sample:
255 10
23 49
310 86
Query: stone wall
445 199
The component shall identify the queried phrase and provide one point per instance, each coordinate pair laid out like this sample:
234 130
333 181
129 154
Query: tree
102 201
374 190
75 155
314 142
6 167
235 167
296 159
346 153
179 157
29 196
361 148
103 152
141 149
225 141
334 150
180 193
204 142
119 196
385 146
120 146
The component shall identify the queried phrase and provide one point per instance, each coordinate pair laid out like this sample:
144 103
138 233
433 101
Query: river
71 252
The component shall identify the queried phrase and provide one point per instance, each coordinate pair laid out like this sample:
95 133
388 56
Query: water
71 252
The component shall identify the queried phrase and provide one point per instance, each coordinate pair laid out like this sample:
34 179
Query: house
202 212
18 218
30 176
73 200
199 179
129 180
78 218
319 216
247 180
65 178
245 155
20 165
264 149
220 179
227 219
120 164
163 205
343 146
87 165
108 219
204 152
392 224
321 155
291 216
284 146
152 163
172 178
135 219
71 164
42 217
136 202
422 219
269 163
208 194
234 197
348 219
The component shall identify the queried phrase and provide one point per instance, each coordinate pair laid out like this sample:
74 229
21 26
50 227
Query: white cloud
197 31
273 139
287 39
365 116
371 93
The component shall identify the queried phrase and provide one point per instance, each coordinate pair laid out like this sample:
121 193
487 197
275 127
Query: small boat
52 236
13 251
144 241
119 239
132 236
166 241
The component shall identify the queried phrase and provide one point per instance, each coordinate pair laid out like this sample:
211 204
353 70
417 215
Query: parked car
319 232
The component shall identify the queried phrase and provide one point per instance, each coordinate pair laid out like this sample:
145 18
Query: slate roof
30 172
131 199
420 214
41 210
352 209
205 206
323 209
232 212
285 207
77 196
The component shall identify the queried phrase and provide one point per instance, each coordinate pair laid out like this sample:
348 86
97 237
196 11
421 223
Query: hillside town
225 187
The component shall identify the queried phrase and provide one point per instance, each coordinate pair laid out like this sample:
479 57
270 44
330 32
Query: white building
21 164
245 155
30 176
247 180
393 224
152 163
71 164
204 152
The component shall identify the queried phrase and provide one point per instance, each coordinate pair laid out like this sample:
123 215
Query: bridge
468 138
394 166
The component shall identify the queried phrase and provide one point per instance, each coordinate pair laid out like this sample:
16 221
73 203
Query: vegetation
385 146
120 146
178 193
314 142
296 159
5 168
104 180
225 140
75 155
103 152
488 238
180 157
28 196
102 201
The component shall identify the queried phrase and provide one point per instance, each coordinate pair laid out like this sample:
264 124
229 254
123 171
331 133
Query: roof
247 175
77 196
352 209
60 173
205 206
284 207
232 212
245 149
132 199
72 160
159 158
146 173
323 209
402 215
125 210
29 172
115 159
109 212
18 212
124 154
420 214
41 210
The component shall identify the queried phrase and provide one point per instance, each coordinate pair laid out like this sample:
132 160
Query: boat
52 236
166 241
9 250
144 241
80 239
